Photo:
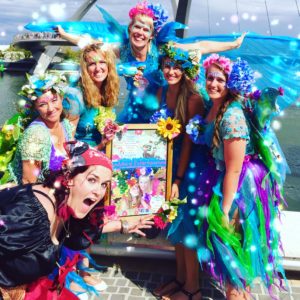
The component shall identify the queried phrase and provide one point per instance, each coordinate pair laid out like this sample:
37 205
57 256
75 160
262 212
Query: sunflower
168 128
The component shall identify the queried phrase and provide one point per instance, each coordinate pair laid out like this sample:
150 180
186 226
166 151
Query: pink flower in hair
141 8
220 60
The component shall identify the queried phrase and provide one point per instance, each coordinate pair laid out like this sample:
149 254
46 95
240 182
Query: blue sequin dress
141 104
182 229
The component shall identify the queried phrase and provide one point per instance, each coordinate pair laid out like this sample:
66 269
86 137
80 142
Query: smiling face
216 83
145 184
172 71
49 107
87 189
140 32
96 67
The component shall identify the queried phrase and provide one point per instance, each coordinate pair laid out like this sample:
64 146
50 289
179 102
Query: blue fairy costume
183 228
141 102
247 247
75 105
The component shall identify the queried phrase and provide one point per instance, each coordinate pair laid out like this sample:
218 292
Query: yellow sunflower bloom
168 128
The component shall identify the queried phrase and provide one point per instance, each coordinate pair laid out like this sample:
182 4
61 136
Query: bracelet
124 227
179 177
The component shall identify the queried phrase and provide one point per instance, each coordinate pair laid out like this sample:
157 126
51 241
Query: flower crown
188 63
240 74
39 84
223 61
155 12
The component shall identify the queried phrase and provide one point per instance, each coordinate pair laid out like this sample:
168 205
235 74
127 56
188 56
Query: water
288 135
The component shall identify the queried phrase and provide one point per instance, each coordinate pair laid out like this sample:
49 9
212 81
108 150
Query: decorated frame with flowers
142 170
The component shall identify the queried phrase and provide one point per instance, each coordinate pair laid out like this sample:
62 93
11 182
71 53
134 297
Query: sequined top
141 104
36 145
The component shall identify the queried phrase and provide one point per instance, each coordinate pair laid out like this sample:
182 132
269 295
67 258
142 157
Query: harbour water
288 135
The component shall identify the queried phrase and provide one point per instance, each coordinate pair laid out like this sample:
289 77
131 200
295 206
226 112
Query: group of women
233 198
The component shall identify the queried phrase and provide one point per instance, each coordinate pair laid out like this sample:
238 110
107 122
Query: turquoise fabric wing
275 60
96 30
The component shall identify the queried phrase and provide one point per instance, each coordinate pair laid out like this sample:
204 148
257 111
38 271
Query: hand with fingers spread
135 226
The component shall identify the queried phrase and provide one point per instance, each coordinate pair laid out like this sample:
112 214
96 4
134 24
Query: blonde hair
109 92
146 20
230 97
138 198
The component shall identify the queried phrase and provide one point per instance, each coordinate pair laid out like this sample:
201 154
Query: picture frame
142 170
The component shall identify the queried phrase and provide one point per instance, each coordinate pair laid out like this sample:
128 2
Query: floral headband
39 84
155 12
222 61
188 63
240 74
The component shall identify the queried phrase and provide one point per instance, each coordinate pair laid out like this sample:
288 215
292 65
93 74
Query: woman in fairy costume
40 147
94 98
96 95
238 238
36 220
180 99
139 53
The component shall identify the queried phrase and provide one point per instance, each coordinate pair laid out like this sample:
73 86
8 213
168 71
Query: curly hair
230 97
109 92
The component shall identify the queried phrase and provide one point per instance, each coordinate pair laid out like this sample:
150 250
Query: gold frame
169 158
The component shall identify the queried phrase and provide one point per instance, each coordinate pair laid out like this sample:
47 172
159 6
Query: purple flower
255 95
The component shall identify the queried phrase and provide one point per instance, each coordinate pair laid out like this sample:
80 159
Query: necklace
67 229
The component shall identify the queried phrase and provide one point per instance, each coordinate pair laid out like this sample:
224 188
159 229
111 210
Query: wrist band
124 227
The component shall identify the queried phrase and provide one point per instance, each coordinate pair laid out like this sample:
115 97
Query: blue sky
206 16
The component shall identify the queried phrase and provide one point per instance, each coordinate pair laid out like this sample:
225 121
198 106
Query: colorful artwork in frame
142 162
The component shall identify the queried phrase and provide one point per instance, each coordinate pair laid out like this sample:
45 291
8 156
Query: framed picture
142 168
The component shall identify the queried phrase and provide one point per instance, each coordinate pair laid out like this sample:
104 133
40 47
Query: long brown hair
108 95
187 88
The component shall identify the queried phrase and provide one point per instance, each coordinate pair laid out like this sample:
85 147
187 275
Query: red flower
159 223
281 91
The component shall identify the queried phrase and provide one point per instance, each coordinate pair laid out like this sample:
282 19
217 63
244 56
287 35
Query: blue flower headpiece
188 63
156 12
39 84
241 77
160 16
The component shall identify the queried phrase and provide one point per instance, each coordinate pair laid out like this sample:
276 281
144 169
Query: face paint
171 64
137 26
98 59
219 76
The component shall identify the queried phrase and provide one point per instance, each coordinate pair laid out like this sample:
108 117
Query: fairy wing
111 31
275 60
168 32
114 27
